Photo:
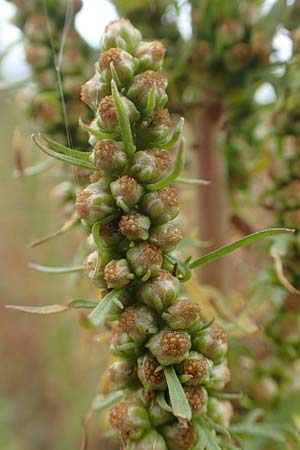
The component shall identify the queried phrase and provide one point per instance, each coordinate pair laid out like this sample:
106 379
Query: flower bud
93 91
159 292
127 192
151 440
161 206
95 203
130 419
153 130
150 375
120 33
212 343
170 347
72 85
121 344
265 391
237 57
166 236
38 56
219 377
151 166
72 61
138 322
109 157
179 437
75 109
196 368
93 266
197 398
109 234
202 54
117 274
145 259
107 118
159 416
230 32
46 111
141 88
36 28
220 411
183 315
122 373
125 66
150 55
134 226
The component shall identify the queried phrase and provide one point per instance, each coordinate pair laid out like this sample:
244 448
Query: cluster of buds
130 210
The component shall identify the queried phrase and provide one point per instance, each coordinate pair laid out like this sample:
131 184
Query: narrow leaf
79 303
151 102
63 229
280 273
36 169
161 400
178 166
124 121
65 150
101 402
67 159
97 133
229 248
192 181
211 441
179 403
98 316
43 310
176 135
54 269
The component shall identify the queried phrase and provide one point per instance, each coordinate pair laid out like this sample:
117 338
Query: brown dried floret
218 333
174 343
107 109
169 196
110 56
196 396
161 117
127 320
152 375
118 414
151 79
82 204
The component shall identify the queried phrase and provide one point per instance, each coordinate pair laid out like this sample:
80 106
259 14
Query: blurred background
51 365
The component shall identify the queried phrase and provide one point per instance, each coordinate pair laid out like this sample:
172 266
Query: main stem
213 214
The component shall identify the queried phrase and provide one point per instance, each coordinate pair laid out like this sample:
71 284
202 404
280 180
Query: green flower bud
151 440
166 236
159 292
130 419
46 78
95 203
150 55
197 398
139 322
117 274
196 368
107 118
142 86
75 109
72 61
221 411
202 54
122 373
169 346
125 66
121 344
179 437
230 32
266 391
109 157
159 416
127 192
120 33
72 85
150 375
153 130
219 377
110 235
151 166
134 226
161 206
145 259
36 28
183 315
237 57
38 56
93 268
46 111
64 192
212 343
93 91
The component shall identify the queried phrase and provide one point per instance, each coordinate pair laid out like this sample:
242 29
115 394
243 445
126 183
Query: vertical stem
213 220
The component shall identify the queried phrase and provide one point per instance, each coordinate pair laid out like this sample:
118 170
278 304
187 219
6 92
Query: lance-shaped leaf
61 157
176 135
229 248
192 181
36 169
161 400
178 167
124 121
151 102
179 403
54 309
73 220
65 150
55 269
98 133
101 401
98 316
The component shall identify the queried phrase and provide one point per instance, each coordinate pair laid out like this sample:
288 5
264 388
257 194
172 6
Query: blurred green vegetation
49 368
